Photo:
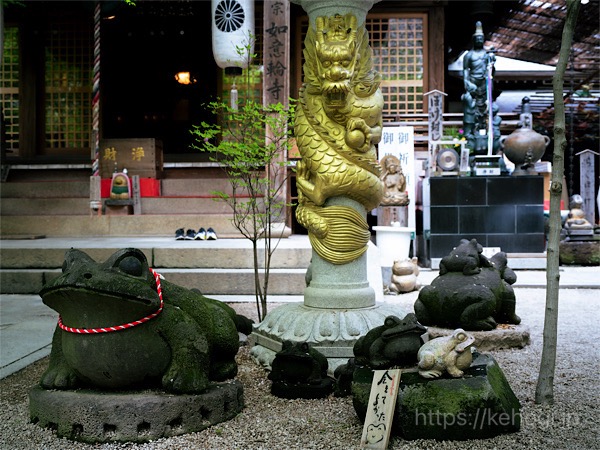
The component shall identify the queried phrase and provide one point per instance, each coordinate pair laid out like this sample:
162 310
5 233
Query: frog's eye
389 321
131 265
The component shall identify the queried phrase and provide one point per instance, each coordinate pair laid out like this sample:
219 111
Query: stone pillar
338 124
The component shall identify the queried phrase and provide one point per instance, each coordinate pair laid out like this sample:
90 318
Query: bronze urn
524 147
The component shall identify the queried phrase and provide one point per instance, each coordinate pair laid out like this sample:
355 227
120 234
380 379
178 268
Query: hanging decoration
96 93
232 28
234 97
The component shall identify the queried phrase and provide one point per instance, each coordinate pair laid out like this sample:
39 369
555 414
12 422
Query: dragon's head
336 57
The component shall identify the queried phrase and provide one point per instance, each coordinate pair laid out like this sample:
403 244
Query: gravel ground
269 422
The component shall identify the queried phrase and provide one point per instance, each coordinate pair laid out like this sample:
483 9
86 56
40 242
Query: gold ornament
338 124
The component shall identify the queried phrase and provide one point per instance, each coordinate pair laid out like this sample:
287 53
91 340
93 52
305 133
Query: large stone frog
477 301
182 347
396 342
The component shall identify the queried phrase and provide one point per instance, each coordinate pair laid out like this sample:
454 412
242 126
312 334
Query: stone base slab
94 416
582 253
479 405
504 336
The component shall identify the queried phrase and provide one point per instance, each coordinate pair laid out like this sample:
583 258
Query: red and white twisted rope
125 326
96 91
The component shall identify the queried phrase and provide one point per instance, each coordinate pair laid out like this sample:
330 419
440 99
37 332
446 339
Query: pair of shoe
181 235
206 235
201 235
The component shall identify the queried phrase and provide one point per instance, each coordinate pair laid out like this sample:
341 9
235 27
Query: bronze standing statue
477 64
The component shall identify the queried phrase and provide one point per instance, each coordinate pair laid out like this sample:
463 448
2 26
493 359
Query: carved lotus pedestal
479 405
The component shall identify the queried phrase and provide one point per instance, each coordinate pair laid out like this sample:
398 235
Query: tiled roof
532 29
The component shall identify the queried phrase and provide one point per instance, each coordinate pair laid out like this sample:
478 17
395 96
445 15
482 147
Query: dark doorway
142 51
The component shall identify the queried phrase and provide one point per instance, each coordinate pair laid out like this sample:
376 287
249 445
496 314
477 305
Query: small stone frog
450 354
192 341
404 276
396 342
298 363
467 258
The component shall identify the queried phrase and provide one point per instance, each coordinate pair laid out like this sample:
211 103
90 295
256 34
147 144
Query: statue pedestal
333 332
133 416
580 252
393 243
480 405
339 307
386 215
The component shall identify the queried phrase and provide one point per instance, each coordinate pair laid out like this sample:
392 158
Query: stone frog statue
299 371
298 363
467 258
396 342
404 276
450 354
478 301
181 343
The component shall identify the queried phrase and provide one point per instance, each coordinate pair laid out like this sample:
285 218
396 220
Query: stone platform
580 252
94 417
503 337
479 405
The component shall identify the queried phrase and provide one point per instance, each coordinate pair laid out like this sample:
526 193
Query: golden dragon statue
338 123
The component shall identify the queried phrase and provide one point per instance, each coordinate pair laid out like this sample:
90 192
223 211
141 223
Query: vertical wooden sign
276 62
276 52
380 411
435 117
587 177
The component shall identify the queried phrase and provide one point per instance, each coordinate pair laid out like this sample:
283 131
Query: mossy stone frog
396 342
191 342
297 362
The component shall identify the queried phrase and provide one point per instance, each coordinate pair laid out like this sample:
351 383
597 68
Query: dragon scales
338 124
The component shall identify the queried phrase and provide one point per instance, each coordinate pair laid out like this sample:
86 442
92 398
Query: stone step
208 281
191 205
45 206
193 186
168 255
81 206
45 189
113 225
174 187
221 267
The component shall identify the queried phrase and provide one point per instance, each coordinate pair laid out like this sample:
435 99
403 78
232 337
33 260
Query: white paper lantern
232 27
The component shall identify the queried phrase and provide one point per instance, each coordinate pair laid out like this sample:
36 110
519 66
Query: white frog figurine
447 353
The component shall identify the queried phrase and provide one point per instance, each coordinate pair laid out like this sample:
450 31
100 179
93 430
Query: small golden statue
120 189
338 124
394 182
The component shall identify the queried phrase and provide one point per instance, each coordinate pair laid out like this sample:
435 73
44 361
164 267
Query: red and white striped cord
125 325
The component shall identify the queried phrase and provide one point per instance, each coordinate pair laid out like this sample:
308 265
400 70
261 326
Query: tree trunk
544 393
